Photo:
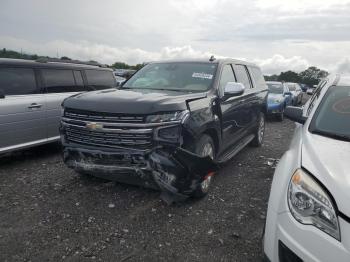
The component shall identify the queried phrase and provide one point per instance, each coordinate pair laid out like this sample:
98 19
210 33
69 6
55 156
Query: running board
227 156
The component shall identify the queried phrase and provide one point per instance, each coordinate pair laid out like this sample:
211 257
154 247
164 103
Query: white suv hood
329 161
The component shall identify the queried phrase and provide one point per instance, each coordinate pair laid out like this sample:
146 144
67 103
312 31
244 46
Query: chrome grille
107 134
103 117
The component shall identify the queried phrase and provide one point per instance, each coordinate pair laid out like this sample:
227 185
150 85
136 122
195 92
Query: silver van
31 93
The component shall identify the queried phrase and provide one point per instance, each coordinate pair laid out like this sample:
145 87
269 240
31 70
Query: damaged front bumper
172 170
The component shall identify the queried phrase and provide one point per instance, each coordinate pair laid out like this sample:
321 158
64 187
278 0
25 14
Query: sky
278 35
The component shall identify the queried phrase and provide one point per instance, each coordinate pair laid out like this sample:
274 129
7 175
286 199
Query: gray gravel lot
49 213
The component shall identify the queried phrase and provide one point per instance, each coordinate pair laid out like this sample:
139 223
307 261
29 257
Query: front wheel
259 132
204 147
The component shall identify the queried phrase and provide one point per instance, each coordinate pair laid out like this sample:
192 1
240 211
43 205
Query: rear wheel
204 147
259 132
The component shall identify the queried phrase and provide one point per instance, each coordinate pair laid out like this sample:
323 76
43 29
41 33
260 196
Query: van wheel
280 116
259 132
204 147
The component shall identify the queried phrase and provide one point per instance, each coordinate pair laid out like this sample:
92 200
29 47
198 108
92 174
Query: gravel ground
49 213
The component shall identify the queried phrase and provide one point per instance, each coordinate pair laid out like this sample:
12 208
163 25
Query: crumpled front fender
179 172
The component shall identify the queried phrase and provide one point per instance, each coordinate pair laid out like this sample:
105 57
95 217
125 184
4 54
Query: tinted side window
242 75
78 78
60 81
226 76
17 81
258 77
100 79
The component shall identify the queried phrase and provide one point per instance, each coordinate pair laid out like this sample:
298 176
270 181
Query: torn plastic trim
174 171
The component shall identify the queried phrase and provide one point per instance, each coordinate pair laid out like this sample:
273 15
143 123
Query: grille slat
103 117
131 138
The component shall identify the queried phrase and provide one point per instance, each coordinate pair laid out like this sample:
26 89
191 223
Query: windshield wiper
331 135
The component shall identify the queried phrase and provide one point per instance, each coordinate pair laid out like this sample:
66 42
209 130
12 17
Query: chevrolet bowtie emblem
93 126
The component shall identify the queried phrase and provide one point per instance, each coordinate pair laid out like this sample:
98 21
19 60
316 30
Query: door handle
35 105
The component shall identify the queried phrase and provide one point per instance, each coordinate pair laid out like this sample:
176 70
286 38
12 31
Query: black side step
235 149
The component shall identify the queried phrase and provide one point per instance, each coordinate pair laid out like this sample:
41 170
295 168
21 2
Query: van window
242 75
258 77
100 79
78 78
60 81
17 81
226 76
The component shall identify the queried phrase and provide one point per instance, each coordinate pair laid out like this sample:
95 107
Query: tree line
311 76
4 53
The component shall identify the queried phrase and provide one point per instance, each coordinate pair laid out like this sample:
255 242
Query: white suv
308 216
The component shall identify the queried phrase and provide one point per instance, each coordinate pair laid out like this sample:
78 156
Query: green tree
138 66
312 75
271 77
289 76
121 65
65 58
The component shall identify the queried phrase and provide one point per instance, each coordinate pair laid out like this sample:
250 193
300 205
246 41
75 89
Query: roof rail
57 60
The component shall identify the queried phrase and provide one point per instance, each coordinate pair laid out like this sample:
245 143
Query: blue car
278 98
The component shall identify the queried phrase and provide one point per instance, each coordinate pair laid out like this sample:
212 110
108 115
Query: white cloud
343 66
84 50
279 63
299 5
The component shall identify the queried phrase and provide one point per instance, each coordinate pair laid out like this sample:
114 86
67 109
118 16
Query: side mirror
233 89
2 94
295 114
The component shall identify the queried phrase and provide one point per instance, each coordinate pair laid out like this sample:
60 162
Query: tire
204 146
280 116
259 132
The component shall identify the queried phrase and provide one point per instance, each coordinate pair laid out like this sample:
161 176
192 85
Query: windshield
332 117
275 88
177 76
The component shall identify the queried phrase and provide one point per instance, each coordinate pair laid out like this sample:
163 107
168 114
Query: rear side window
258 77
17 81
78 78
60 81
242 75
100 79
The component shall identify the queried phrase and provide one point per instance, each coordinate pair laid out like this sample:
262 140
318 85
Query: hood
138 101
328 160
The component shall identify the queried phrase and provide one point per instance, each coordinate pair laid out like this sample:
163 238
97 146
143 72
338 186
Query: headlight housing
167 117
310 204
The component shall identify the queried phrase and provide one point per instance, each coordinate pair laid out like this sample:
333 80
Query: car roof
49 64
205 60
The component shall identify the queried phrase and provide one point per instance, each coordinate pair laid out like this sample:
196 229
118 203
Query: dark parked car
168 126
31 93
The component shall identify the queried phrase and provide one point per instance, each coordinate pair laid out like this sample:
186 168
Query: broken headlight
167 117
171 134
310 204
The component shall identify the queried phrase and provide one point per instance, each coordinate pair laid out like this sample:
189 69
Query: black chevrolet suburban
169 126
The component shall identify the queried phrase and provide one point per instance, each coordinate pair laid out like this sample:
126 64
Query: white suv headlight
310 204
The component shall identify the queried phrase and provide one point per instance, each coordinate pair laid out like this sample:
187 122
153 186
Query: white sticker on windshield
202 75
